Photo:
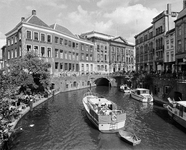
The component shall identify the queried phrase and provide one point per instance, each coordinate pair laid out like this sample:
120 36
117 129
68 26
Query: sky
125 18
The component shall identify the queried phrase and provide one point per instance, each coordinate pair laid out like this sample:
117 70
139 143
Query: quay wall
169 87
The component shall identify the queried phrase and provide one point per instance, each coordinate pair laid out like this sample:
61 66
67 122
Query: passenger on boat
99 105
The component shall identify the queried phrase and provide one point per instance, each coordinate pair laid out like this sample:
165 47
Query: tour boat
129 137
177 110
142 95
124 88
103 113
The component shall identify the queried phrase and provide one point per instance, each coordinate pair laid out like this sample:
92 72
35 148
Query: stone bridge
69 83
105 80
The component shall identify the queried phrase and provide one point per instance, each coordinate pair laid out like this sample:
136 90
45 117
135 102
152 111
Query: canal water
61 124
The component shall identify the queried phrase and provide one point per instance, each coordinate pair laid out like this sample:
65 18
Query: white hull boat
103 113
177 110
142 95
124 88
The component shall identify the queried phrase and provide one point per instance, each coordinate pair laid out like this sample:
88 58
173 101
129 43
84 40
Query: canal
61 124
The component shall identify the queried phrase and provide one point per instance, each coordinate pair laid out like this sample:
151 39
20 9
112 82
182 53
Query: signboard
174 14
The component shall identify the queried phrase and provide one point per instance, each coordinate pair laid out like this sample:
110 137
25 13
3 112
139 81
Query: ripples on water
61 124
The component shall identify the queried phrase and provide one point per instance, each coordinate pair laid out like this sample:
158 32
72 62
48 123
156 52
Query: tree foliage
29 73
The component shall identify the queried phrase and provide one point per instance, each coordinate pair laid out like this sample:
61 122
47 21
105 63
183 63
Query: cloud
52 3
131 20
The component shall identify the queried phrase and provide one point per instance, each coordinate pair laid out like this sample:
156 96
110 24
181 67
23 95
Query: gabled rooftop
61 29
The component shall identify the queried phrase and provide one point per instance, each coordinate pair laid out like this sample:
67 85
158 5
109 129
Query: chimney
184 4
169 9
33 12
22 19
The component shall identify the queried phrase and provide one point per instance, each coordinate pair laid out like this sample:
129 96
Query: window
19 34
56 53
77 45
77 56
167 56
172 56
179 46
73 45
15 52
86 56
69 43
36 36
87 48
49 40
61 54
8 54
49 52
8 42
20 51
87 66
56 39
15 38
66 42
56 65
42 37
82 56
29 35
179 31
61 66
28 47
12 40
12 53
70 55
43 52
61 41
82 67
66 55
36 50
73 56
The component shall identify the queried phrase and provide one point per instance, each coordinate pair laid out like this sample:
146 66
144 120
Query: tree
30 74
4 80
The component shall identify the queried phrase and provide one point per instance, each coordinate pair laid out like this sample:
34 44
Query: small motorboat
129 137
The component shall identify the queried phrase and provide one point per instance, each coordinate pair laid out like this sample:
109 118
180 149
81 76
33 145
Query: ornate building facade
112 54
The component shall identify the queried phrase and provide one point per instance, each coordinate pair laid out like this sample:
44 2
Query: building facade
169 53
150 44
112 54
180 40
54 43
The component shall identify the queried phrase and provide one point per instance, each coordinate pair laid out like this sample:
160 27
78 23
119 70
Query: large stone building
55 44
180 40
150 43
112 54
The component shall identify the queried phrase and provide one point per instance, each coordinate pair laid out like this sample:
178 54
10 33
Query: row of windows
66 66
38 37
13 40
66 55
87 67
14 53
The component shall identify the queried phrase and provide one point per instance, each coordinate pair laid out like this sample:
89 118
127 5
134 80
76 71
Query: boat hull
129 138
106 127
177 118
106 117
141 98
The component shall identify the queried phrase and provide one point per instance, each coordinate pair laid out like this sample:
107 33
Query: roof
183 103
181 14
61 29
170 31
35 21
142 89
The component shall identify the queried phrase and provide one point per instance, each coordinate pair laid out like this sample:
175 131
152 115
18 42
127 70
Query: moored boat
103 113
142 94
177 110
125 88
129 137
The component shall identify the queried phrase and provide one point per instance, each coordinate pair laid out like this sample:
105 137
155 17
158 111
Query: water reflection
61 123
